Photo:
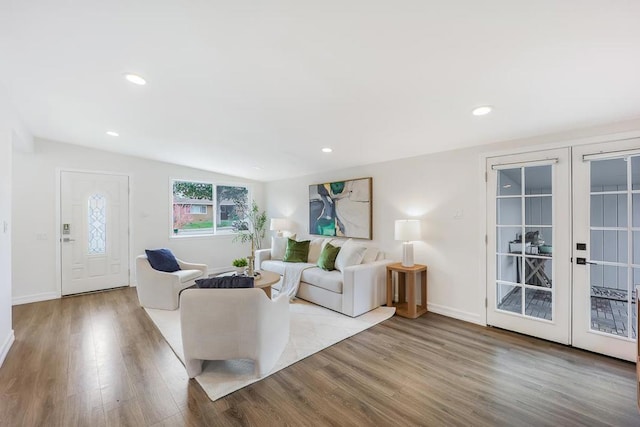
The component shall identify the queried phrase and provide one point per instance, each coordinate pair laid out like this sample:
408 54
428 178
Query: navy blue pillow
162 260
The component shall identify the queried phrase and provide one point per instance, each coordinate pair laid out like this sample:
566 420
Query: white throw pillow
370 255
350 253
315 248
279 246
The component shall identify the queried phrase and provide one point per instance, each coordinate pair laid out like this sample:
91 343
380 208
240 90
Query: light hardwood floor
97 360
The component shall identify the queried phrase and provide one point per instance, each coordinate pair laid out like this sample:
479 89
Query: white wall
34 208
447 192
12 134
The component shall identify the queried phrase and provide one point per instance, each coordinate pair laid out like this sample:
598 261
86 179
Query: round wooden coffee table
266 279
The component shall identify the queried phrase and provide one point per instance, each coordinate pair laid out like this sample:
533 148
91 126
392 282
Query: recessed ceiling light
112 133
481 111
135 79
258 168
327 150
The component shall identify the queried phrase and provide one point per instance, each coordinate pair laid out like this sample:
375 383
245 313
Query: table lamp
277 225
407 230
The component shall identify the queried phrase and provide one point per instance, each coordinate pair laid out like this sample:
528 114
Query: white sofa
157 289
223 324
353 291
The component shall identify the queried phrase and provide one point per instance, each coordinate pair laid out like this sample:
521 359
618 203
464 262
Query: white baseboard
4 350
45 296
456 314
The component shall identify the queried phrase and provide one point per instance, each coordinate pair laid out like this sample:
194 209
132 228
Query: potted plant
240 264
251 224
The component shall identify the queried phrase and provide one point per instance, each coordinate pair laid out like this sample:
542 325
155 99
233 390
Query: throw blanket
291 277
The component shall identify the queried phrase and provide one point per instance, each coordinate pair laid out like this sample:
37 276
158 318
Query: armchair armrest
192 266
261 255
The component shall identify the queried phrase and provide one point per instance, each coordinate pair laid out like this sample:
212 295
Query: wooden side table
407 280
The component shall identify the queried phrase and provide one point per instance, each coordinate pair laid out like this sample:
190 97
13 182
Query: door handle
66 239
583 261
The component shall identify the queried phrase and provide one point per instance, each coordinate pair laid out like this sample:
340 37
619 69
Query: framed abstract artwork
341 208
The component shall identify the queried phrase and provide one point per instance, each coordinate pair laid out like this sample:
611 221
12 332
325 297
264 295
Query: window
201 208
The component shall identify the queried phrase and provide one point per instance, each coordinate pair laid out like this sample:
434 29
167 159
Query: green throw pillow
327 260
296 251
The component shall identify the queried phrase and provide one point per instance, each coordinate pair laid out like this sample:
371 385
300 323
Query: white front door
94 212
606 250
528 244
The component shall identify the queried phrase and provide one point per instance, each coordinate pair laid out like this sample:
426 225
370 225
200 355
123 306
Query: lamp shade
278 224
407 230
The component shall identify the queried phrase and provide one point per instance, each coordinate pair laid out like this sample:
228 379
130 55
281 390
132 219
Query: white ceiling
235 85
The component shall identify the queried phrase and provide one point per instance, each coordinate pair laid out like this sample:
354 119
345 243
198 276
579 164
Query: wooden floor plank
99 360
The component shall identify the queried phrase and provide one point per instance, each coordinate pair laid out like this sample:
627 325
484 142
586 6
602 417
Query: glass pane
636 250
538 303
509 211
609 210
509 298
608 281
192 208
232 205
635 172
510 182
508 238
538 210
97 220
635 210
609 299
508 268
538 272
608 175
610 246
541 239
537 180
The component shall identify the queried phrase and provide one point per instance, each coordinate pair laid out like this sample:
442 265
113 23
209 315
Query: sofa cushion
329 280
279 246
370 255
296 251
350 254
315 249
162 260
327 259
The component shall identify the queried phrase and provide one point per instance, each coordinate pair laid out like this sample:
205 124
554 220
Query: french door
94 213
528 287
563 247
606 232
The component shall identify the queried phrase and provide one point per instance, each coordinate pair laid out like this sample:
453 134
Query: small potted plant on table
240 264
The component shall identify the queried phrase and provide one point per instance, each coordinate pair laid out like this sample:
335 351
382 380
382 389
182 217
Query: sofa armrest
363 287
261 255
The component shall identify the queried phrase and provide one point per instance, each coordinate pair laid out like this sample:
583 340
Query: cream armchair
157 289
223 324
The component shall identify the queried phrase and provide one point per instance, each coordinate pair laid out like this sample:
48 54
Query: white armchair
157 289
223 324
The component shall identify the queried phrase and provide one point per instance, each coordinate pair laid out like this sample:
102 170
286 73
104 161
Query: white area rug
313 328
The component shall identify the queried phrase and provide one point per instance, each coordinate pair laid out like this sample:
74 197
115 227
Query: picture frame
342 208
